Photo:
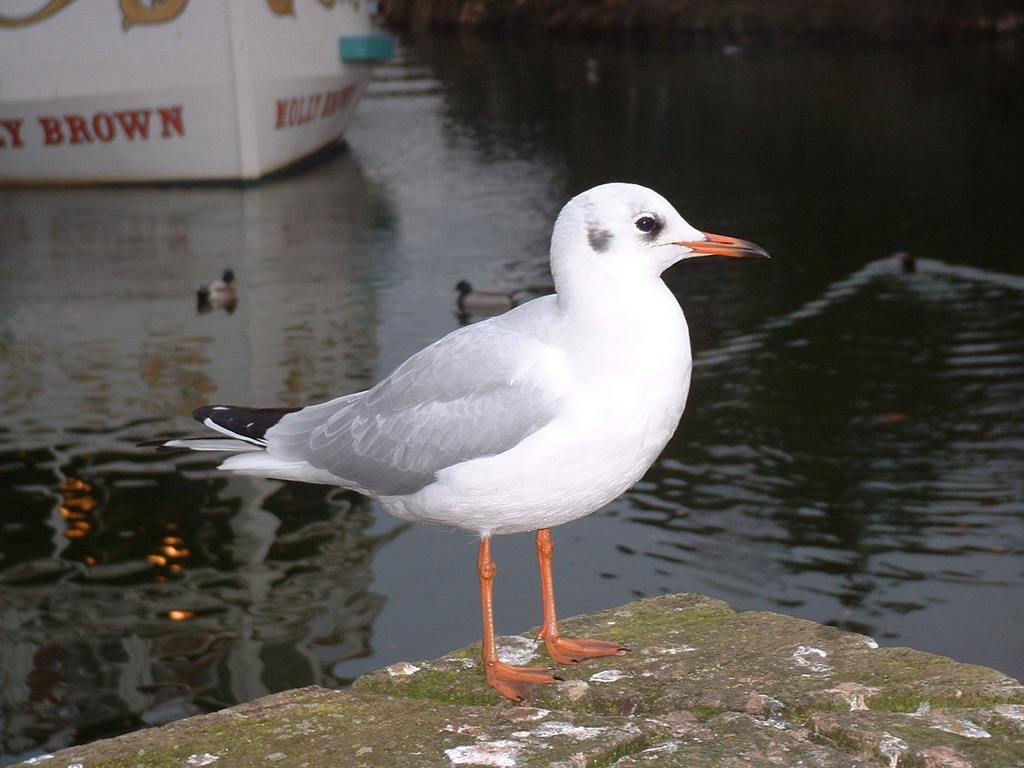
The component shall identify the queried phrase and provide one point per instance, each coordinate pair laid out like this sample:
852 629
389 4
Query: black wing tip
248 424
242 421
203 411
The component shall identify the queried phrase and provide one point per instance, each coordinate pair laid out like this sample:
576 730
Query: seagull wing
477 392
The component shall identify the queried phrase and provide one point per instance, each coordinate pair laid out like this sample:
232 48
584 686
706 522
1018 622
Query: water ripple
909 440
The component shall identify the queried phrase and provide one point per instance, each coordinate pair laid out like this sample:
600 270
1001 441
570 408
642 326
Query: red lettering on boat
299 110
13 128
52 133
78 129
134 123
172 118
103 127
100 126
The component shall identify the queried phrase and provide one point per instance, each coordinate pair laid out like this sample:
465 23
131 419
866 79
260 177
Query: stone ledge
703 686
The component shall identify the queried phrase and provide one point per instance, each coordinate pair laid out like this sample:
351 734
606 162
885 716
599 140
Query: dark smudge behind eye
600 239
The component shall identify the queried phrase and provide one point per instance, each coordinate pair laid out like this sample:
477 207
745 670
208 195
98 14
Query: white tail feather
262 464
212 444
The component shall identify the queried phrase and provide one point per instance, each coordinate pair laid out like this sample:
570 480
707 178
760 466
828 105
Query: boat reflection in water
137 588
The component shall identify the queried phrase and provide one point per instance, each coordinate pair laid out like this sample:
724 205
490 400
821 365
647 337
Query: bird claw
514 682
569 650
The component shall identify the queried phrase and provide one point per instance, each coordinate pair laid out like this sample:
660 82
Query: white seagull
521 422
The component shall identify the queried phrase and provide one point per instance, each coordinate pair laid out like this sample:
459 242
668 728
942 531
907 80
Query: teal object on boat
374 47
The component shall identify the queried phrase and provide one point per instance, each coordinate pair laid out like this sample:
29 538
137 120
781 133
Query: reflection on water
851 452
169 594
871 440
140 588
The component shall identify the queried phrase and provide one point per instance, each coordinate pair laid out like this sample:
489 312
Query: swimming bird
221 293
470 301
903 259
521 422
475 302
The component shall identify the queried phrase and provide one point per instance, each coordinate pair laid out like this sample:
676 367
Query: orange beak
722 245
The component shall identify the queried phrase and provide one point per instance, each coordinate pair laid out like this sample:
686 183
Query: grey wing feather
462 398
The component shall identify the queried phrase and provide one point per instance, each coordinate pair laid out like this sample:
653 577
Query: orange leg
564 650
512 682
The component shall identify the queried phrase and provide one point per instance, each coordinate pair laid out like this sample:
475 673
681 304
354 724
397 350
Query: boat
98 91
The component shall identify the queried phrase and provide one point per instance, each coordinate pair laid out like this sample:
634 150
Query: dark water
852 453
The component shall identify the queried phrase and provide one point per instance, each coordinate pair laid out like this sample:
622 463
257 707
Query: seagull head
626 229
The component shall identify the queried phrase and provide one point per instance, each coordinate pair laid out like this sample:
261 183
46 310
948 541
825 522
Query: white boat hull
228 90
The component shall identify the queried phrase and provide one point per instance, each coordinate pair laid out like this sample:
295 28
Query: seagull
519 423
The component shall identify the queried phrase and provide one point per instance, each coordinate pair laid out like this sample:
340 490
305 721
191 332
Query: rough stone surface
316 727
702 686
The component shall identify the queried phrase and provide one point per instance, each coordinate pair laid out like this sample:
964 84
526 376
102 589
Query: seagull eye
647 224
